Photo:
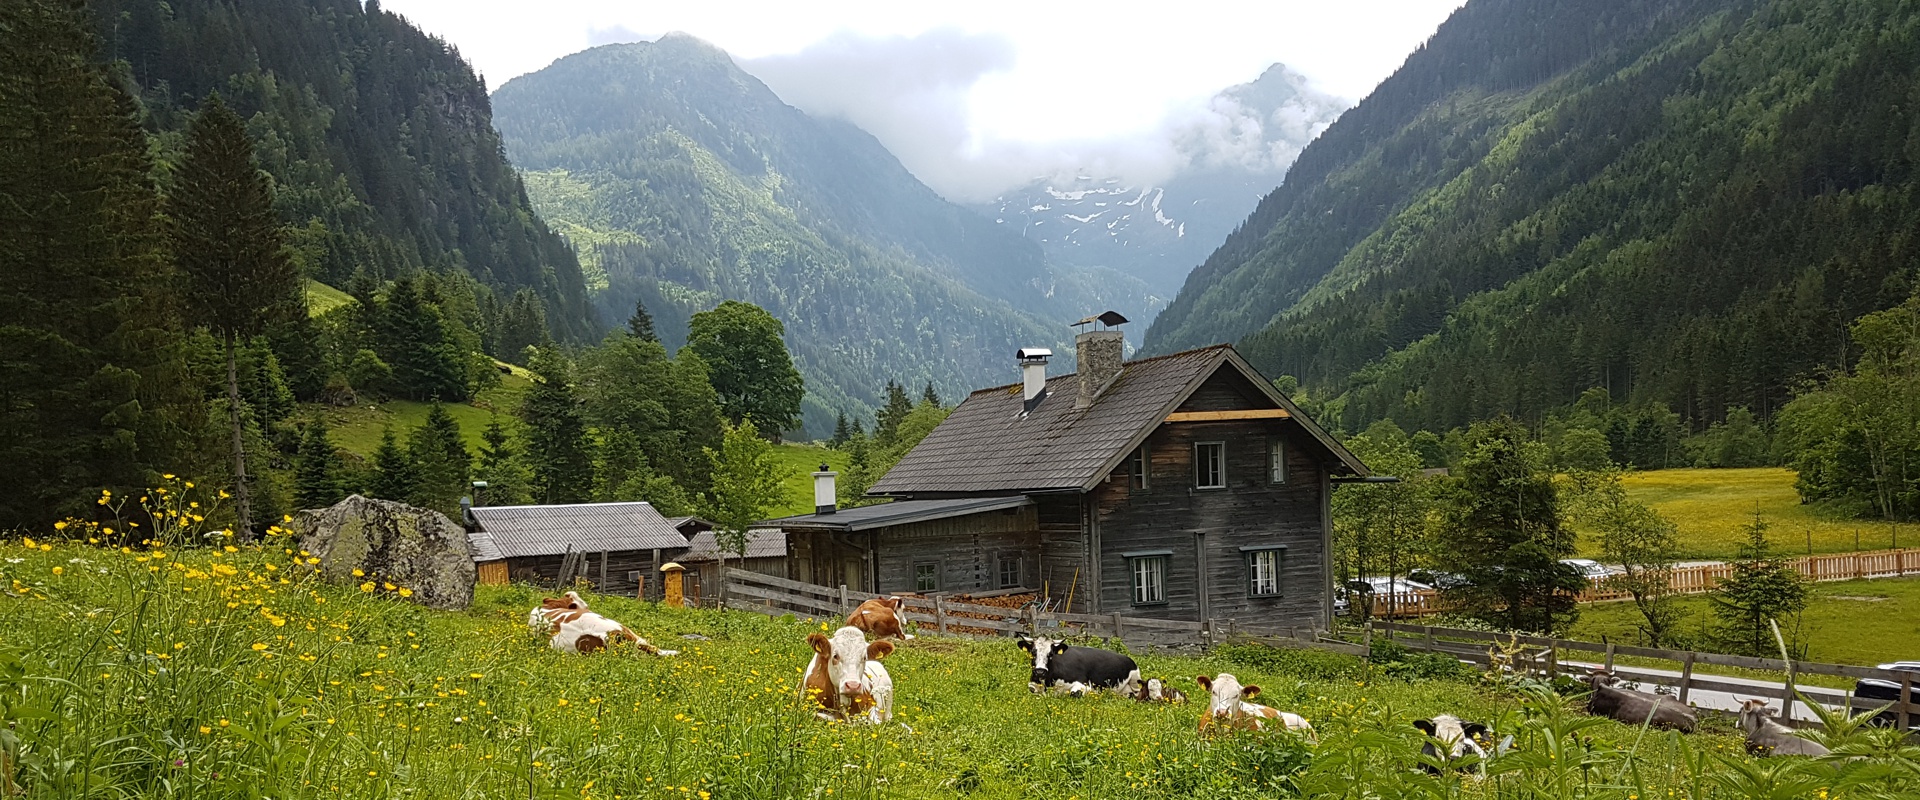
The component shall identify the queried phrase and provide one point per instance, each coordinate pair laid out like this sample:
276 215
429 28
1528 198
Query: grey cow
1636 708
1767 737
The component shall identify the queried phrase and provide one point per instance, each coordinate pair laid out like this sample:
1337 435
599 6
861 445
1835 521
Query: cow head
1460 738
1226 694
569 602
1042 649
845 657
1599 679
1754 715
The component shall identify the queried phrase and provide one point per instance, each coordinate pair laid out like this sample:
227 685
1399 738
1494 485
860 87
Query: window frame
1249 557
1019 561
1199 464
935 575
1137 468
1135 560
1276 459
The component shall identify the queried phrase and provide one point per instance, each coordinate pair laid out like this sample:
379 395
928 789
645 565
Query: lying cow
881 618
1228 708
1461 739
1094 668
540 619
1767 737
1155 690
846 678
584 632
1636 708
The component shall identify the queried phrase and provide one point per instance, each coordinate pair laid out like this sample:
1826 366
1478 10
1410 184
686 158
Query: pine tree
888 419
316 468
1764 587
441 462
499 465
840 431
413 338
394 474
853 485
641 323
227 238
96 394
1501 529
929 396
524 326
558 450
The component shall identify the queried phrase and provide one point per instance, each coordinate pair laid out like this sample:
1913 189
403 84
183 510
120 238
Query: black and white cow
1461 739
1089 667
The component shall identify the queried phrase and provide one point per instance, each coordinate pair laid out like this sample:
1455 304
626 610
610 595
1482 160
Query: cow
1767 737
1460 739
540 619
585 632
1228 708
1055 662
846 678
1636 708
881 617
1155 690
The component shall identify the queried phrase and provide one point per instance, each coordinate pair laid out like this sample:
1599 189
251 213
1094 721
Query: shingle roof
519 531
898 512
988 445
761 543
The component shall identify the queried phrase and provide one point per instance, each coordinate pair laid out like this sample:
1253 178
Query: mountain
1684 202
683 180
379 138
1226 156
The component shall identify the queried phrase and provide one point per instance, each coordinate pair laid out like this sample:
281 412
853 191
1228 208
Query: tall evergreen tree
641 323
524 326
887 420
227 239
499 465
840 431
316 468
394 474
95 394
1764 588
415 340
1501 530
929 396
558 451
441 462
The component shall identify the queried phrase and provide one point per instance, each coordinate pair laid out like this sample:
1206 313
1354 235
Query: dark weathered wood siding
965 550
1205 529
545 570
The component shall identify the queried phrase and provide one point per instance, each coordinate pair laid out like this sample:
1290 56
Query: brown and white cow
1155 690
846 678
1767 737
540 619
1228 708
586 632
881 618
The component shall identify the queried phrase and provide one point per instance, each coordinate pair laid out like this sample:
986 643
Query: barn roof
898 512
521 531
991 443
761 543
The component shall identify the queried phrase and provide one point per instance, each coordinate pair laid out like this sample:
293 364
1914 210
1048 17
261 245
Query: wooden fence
1550 656
766 594
1695 579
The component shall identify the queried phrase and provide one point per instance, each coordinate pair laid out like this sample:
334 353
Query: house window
1149 571
1009 570
1263 570
1137 468
1210 465
1276 460
926 577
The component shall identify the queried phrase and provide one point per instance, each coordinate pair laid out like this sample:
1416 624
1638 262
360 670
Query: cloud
616 34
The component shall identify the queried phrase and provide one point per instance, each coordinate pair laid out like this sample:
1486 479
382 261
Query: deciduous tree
746 485
748 365
1500 529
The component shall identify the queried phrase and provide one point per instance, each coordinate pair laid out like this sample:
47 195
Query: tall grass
145 672
1711 508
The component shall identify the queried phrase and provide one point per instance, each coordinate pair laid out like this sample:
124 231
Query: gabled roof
761 543
520 531
989 445
898 512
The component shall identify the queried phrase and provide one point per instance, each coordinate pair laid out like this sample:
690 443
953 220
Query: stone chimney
1101 351
826 495
1033 373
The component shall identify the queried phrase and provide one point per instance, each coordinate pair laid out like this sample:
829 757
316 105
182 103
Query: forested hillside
379 137
684 181
1684 202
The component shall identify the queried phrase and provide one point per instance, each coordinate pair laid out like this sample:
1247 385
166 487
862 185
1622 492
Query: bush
1298 663
1396 661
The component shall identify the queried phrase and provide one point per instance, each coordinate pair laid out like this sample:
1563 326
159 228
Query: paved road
1725 701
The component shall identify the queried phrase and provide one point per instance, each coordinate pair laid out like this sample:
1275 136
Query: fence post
843 600
1116 625
1686 677
1208 630
1609 664
1906 696
1366 638
1432 646
1786 699
1553 661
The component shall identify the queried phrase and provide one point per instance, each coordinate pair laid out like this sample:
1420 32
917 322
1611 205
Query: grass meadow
1861 622
213 673
1712 508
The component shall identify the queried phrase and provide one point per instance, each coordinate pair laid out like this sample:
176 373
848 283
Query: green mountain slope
684 181
378 136
1682 201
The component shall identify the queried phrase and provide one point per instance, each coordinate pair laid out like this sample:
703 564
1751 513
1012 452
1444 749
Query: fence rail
1694 579
766 594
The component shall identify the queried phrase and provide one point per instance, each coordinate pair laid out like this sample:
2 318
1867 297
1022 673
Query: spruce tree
394 475
1501 529
929 396
1764 587
414 339
840 431
441 462
888 419
641 323
316 468
558 451
499 465
228 242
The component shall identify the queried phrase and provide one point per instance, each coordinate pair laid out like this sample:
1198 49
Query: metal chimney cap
1107 318
1033 354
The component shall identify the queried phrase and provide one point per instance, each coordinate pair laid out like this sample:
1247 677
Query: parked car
1438 580
1872 693
1592 570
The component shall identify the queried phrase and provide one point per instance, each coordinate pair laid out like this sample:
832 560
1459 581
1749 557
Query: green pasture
322 298
358 428
1712 507
1863 622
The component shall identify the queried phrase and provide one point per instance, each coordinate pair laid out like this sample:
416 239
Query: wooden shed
620 546
766 554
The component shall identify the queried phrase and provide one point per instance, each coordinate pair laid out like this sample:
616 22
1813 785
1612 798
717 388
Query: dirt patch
1860 598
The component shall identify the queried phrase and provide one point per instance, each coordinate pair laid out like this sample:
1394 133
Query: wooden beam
1224 416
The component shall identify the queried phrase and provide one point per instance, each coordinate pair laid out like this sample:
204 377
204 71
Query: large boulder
415 548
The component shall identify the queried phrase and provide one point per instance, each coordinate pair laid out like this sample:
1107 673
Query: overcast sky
973 83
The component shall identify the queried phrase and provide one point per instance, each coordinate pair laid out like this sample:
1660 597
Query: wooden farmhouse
617 547
1180 487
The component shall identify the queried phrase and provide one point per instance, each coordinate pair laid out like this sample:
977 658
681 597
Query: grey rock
694 637
416 548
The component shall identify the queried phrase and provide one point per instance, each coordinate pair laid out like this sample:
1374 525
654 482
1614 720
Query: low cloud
617 34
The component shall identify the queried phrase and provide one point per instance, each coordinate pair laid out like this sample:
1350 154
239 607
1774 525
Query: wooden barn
1178 487
700 584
